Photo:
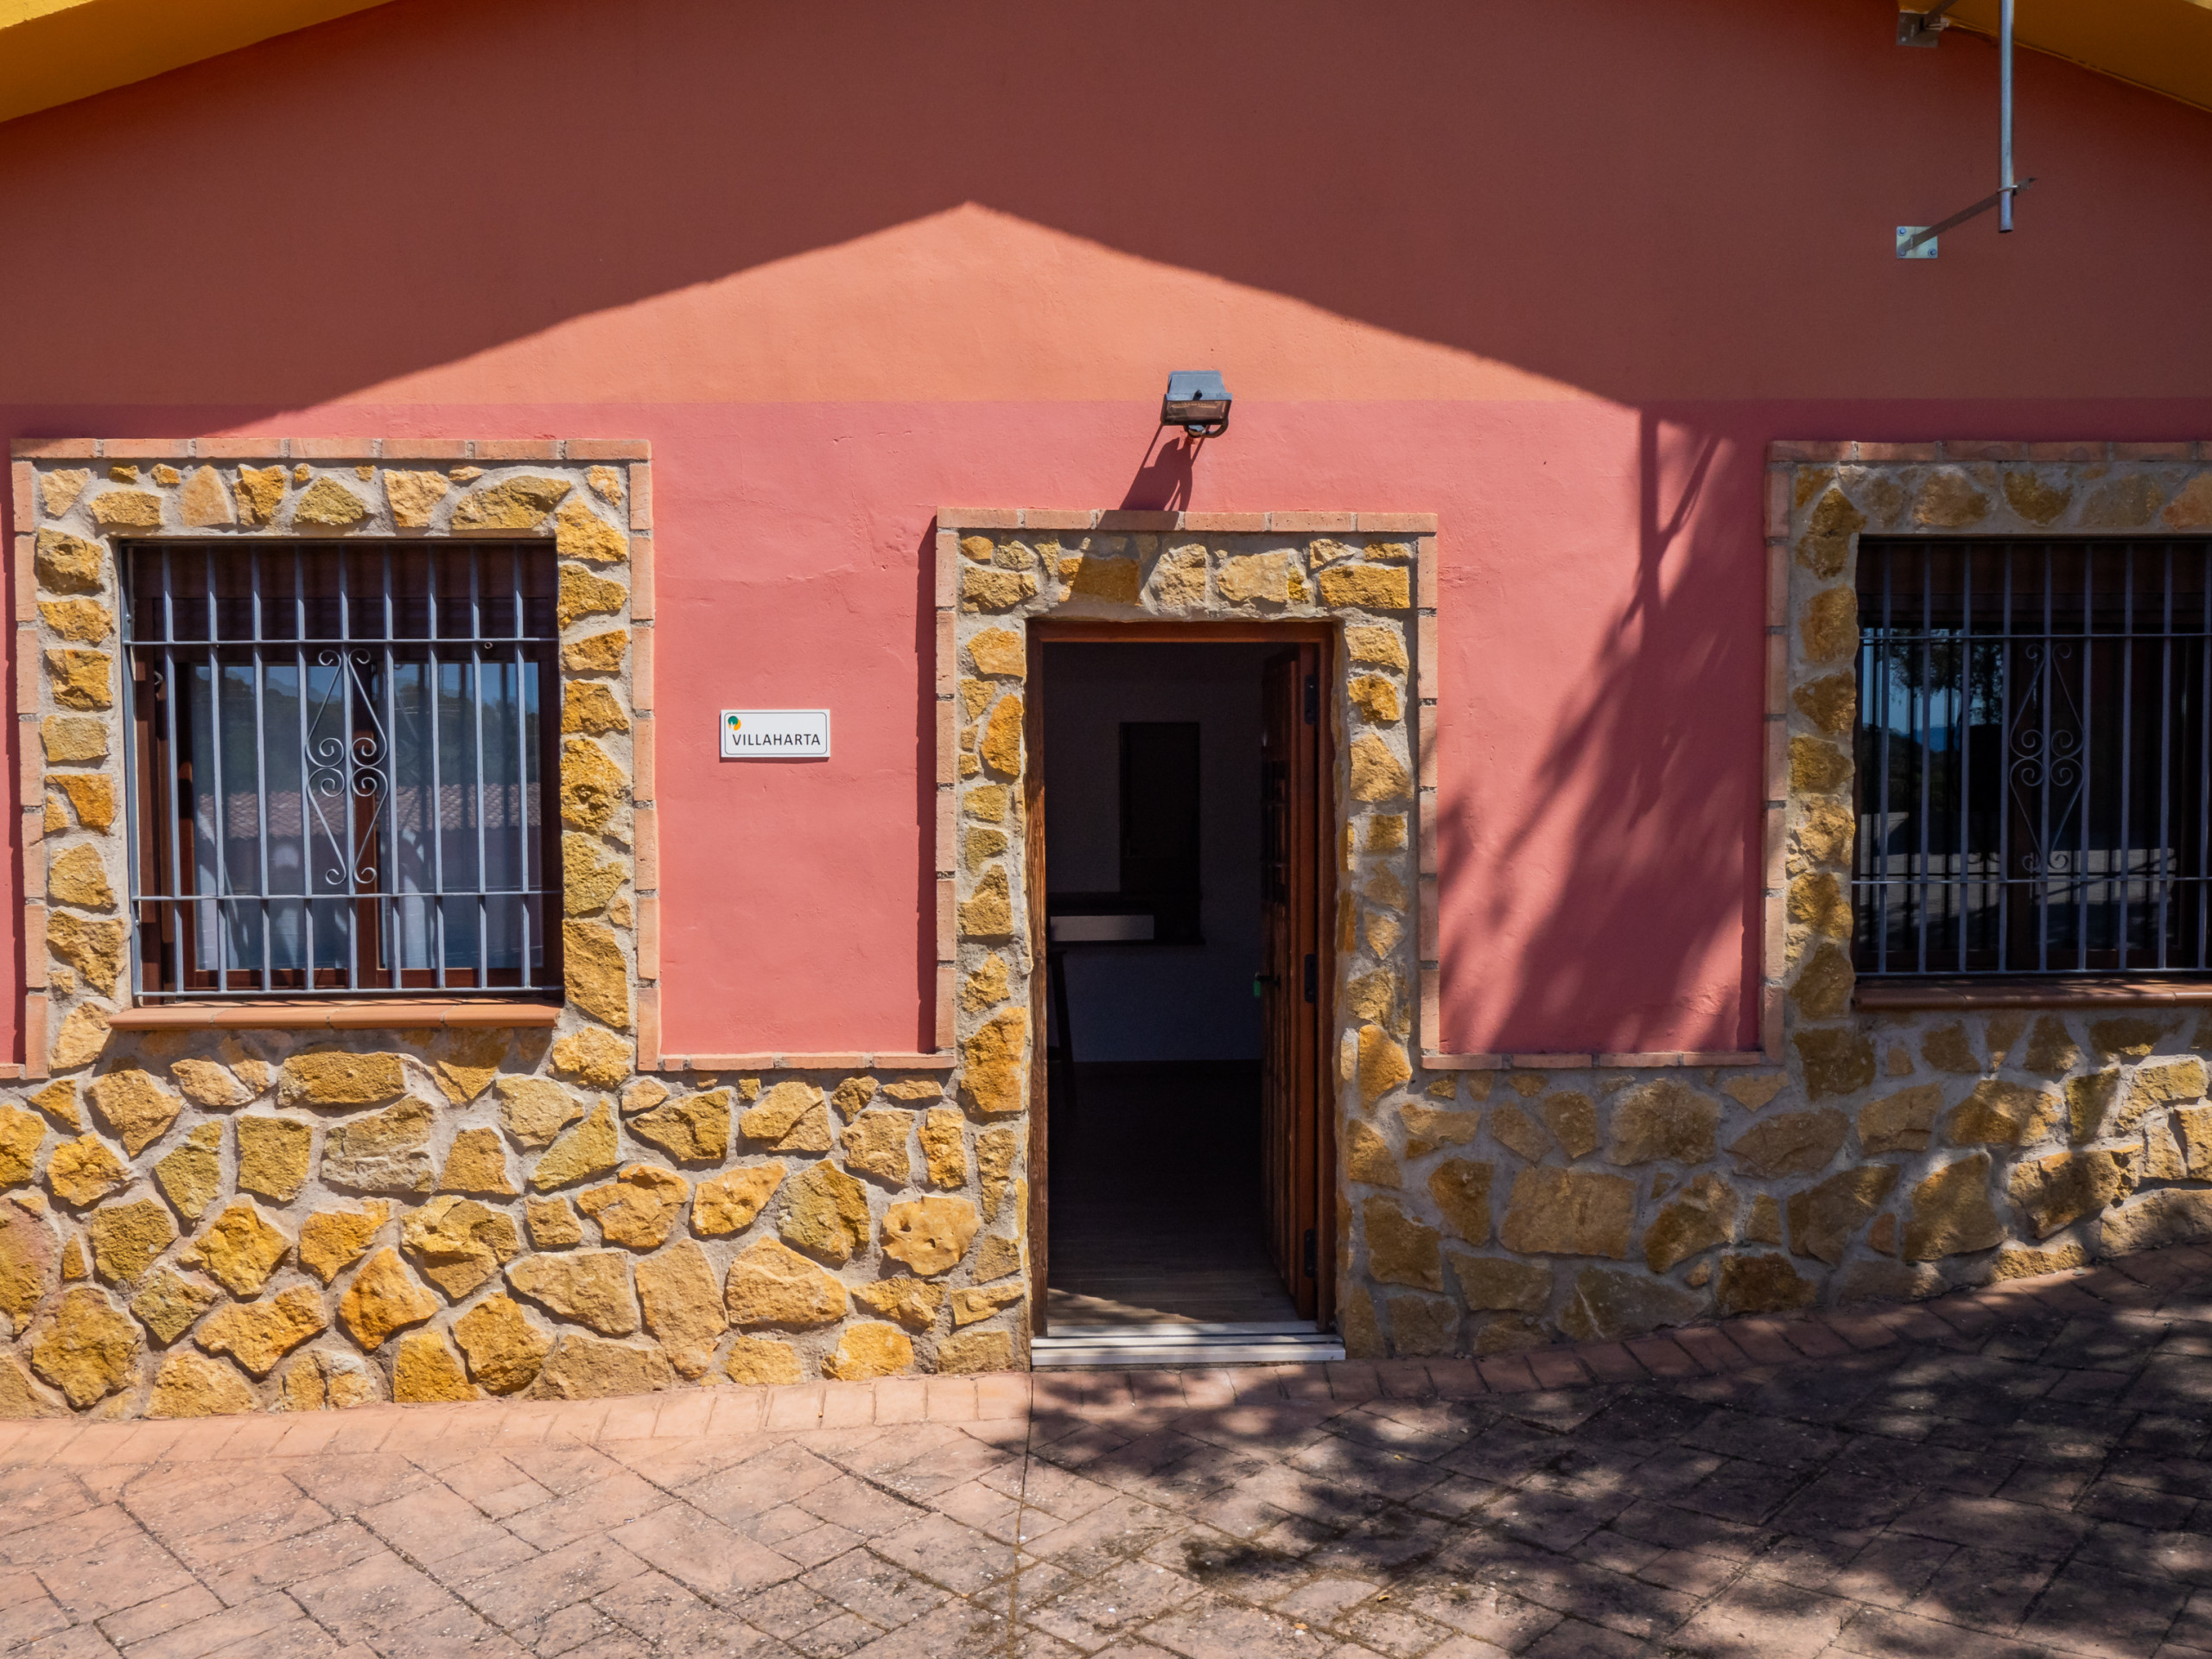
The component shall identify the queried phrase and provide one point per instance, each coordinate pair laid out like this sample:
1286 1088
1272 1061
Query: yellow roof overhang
55 51
2164 45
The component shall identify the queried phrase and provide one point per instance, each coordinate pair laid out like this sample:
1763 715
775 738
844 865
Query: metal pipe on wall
2004 115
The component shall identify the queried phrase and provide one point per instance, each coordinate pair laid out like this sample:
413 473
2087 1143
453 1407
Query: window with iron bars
340 764
2034 758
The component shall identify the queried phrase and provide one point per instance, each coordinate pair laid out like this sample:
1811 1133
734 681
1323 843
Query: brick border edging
1751 1343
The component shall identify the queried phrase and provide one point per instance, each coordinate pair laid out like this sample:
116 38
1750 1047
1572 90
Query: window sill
443 1013
1877 996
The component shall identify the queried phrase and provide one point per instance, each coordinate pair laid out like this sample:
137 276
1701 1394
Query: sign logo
775 733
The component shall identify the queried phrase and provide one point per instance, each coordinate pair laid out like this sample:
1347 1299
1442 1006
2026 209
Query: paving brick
1761 1616
1711 1347
26 1610
1508 1374
1907 1636
1663 1357
121 1571
247 1627
2020 1471
574 1573
373 1598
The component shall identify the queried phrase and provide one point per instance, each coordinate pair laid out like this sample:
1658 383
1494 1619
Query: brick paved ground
2017 1472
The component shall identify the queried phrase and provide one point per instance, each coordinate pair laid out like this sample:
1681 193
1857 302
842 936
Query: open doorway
1181 970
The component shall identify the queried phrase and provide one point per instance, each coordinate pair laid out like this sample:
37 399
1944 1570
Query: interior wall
1158 1002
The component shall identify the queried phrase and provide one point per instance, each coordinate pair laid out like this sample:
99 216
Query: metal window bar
2031 799
355 902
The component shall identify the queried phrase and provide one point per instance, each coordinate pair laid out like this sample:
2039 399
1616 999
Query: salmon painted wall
1556 273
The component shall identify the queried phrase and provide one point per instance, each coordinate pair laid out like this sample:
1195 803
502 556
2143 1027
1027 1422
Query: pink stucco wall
1557 273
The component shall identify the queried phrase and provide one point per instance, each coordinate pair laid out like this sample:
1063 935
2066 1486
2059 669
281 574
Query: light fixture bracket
1923 28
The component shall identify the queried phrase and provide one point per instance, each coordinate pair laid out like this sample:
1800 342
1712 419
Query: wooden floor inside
1155 1199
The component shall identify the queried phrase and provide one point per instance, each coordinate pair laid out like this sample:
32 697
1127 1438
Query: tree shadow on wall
1661 879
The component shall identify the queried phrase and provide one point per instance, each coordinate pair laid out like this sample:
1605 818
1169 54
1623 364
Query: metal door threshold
1127 1347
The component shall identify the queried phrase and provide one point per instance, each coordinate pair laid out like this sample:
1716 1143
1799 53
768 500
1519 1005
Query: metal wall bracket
1918 28
1923 28
1918 241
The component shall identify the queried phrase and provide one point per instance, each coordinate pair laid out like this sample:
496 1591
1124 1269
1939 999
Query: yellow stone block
596 976
135 1106
329 504
596 653
762 1362
584 594
192 1385
203 503
85 620
413 497
477 1164
59 489
383 1299
931 1235
769 1284
424 1369
639 1208
260 1334
1000 651
127 510
993 1075
869 1349
517 504
504 1348
339 1079
260 494
731 1202
72 739
590 1148
590 706
580 533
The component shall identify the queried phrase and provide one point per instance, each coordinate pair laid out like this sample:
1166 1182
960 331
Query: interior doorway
1176 831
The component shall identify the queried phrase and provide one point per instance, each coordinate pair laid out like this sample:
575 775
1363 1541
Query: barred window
2034 788
340 757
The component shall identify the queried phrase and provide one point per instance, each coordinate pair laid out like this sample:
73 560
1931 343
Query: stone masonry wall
209 1219
1895 1153
195 1220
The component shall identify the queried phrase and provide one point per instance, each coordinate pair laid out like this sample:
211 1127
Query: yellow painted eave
2162 45
56 51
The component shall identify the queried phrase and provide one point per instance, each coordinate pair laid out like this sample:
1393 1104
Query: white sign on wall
775 733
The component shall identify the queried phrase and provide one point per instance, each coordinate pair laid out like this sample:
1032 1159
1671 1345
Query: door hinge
1313 977
1313 1254
1312 699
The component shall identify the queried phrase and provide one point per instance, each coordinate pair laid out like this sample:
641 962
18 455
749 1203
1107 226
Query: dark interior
1153 846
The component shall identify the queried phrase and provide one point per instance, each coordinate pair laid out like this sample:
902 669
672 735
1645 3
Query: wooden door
1292 976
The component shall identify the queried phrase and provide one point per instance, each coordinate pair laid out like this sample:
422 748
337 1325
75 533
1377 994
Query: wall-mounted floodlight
1197 401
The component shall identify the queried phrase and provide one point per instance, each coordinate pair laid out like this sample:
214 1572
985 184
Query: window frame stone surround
127 489
207 1207
2086 1093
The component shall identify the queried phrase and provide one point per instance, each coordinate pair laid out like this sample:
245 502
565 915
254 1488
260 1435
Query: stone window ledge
443 1013
1875 996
